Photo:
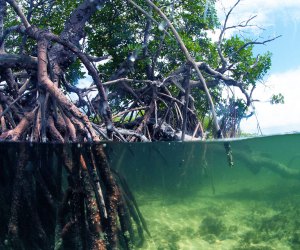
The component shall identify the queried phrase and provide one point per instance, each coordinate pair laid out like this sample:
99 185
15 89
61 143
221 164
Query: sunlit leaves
277 99
246 67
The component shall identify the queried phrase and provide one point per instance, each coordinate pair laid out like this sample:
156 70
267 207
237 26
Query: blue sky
277 18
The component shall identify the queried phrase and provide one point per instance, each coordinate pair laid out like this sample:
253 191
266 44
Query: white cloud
267 12
258 6
279 118
272 118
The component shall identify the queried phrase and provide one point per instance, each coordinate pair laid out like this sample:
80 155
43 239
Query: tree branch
18 61
193 63
19 12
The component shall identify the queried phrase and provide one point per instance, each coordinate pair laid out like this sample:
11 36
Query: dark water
190 196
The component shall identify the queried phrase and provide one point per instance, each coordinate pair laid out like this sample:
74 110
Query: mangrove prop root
93 174
35 221
131 201
228 150
91 209
77 216
69 236
136 219
255 162
13 225
112 195
93 217
126 225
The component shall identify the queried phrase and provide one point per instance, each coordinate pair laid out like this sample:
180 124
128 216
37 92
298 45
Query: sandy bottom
253 213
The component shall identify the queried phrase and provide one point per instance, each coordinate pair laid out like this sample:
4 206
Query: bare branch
18 61
227 80
243 24
223 60
15 101
254 43
193 63
98 59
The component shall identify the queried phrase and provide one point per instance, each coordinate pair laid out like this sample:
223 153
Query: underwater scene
192 198
228 194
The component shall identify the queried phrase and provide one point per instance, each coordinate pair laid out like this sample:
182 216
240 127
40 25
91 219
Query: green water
192 199
187 192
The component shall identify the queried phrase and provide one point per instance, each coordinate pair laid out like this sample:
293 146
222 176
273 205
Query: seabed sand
254 206
259 212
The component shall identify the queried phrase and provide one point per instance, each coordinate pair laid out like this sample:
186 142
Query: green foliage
43 14
50 15
277 99
247 67
144 51
120 30
74 73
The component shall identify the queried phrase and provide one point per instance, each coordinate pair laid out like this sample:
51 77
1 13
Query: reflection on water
188 195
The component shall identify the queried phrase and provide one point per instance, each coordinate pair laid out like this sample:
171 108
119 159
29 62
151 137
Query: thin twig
193 63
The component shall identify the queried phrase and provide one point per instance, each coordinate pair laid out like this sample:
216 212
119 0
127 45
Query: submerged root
16 205
131 202
93 209
256 162
112 196
95 230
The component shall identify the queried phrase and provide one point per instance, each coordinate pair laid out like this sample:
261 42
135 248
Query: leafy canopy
141 48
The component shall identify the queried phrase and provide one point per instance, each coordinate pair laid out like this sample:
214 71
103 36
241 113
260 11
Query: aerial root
16 205
92 209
